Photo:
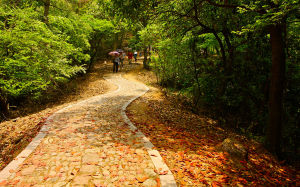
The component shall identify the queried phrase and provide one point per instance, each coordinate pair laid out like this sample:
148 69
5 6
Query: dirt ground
188 143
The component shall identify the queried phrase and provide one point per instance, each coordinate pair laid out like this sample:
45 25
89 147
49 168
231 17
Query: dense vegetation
239 58
45 43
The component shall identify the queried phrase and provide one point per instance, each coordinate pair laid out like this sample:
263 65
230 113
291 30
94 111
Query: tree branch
261 11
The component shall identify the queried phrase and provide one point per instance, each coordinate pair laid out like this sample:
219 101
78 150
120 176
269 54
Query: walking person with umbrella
122 57
116 60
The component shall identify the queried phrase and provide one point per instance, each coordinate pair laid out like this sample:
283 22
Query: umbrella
114 53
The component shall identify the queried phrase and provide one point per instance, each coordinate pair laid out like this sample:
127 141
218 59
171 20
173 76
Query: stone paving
91 144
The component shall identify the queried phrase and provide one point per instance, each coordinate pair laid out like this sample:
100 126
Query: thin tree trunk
120 45
145 61
196 75
4 109
229 62
273 134
223 54
223 85
156 70
116 41
46 11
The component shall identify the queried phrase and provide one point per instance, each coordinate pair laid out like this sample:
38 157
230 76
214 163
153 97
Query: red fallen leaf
141 179
57 169
181 155
157 181
180 174
215 184
14 182
223 180
122 179
163 172
212 175
243 162
3 183
187 163
242 180
42 164
203 181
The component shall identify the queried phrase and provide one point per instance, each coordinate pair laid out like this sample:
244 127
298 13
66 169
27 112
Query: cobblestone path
91 143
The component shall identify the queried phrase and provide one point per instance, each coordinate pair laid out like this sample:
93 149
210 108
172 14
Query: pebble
150 173
28 171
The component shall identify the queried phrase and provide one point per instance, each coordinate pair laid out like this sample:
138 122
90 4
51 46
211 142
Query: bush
32 56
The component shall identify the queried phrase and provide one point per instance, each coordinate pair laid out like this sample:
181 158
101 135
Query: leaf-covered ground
187 142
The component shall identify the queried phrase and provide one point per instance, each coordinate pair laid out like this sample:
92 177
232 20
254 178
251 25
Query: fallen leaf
141 179
163 172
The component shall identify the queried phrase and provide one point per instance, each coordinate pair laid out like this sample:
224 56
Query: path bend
91 143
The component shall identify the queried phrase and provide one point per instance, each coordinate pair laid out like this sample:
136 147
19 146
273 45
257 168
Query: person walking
122 58
129 57
135 55
116 62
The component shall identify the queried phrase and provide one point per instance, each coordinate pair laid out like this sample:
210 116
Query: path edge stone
16 162
166 179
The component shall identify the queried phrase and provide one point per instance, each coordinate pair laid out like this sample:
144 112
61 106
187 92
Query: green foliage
266 13
75 31
220 57
35 56
32 56
150 35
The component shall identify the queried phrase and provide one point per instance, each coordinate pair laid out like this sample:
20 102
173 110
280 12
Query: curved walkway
91 143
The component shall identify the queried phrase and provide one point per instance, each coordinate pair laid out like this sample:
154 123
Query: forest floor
187 142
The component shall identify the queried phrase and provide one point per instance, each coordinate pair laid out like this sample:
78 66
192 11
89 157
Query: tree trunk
223 84
4 109
205 52
223 54
120 42
196 75
46 11
116 41
273 134
230 49
145 61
